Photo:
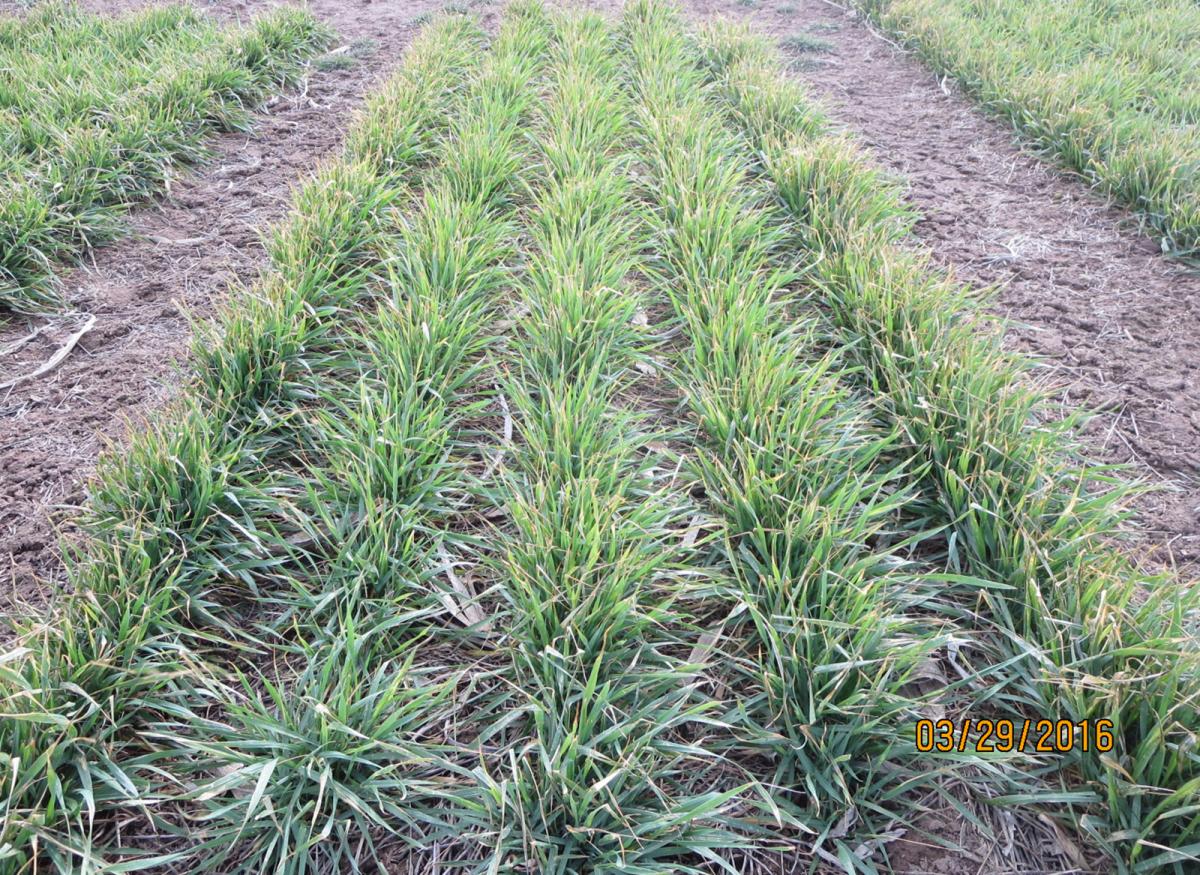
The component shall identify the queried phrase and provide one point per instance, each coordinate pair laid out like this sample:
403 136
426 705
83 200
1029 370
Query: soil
1111 321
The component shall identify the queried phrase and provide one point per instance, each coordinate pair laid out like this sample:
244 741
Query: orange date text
1009 736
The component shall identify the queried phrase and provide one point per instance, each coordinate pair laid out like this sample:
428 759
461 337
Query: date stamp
1009 736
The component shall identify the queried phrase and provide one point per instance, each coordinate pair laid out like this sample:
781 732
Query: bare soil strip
1112 319
142 291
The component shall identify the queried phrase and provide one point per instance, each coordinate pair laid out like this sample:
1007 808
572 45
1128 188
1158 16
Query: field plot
596 484
95 112
1111 89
